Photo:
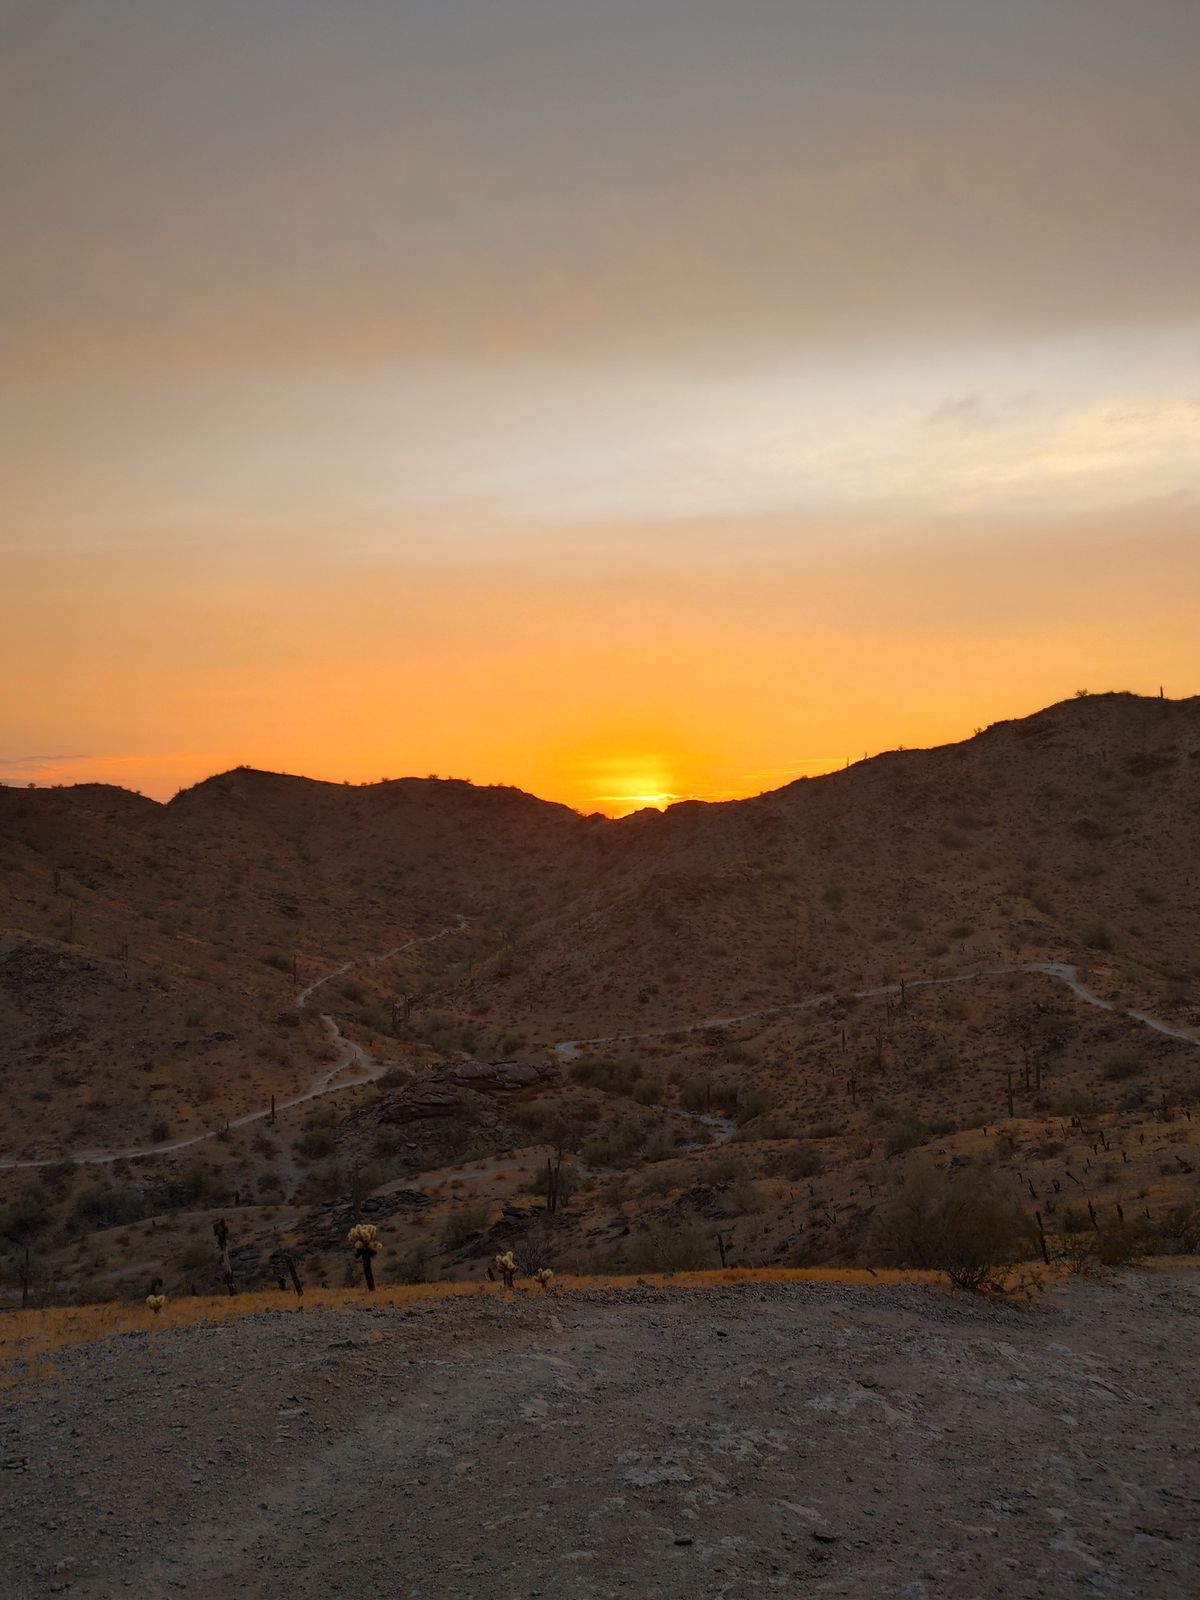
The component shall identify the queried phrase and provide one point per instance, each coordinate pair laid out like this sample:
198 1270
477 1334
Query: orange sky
621 401
585 685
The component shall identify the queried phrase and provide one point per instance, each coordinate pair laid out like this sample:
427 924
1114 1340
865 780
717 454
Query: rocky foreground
725 1442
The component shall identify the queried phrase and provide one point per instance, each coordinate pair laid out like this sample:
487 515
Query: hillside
166 969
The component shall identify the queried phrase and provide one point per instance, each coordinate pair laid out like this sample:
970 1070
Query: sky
632 401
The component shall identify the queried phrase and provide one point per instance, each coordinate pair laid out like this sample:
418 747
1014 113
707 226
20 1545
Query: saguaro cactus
221 1235
366 1246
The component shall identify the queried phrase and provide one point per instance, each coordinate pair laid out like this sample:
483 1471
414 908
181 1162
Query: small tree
959 1223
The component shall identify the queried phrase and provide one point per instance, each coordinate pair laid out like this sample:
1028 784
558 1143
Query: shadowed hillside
371 952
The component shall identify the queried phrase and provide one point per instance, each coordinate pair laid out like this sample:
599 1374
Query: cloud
965 410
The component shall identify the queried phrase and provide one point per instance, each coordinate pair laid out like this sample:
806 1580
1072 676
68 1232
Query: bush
416 1266
725 1169
958 1223
314 1144
683 1243
904 1135
801 1161
695 1094
1122 1063
741 1199
108 1208
751 1103
647 1091
617 1144
600 1072
28 1214
462 1224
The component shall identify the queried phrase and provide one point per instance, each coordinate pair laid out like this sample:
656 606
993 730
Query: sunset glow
384 395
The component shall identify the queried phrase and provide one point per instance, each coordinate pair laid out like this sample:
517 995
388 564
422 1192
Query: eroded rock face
424 1097
441 1094
499 1076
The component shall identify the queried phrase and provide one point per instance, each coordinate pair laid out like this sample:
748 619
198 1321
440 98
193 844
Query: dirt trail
714 1444
352 1066
366 1070
1064 971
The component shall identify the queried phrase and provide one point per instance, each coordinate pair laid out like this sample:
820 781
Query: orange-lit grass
27 1335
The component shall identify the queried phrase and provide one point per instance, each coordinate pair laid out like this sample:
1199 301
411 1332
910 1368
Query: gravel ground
734 1443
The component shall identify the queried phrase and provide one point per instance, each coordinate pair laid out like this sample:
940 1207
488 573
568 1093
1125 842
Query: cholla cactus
506 1266
363 1236
544 1276
156 1302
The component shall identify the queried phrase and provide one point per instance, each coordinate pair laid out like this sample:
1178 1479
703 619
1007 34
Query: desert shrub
394 1078
1074 1103
533 1116
601 1072
194 1255
1094 1255
695 1094
314 1144
826 1130
751 1103
25 1217
802 1160
905 1134
463 1223
682 1243
658 1147
741 1199
647 1091
108 1208
724 1168
1122 1063
1123 1245
614 1145
1179 1229
415 1266
960 1223
659 1180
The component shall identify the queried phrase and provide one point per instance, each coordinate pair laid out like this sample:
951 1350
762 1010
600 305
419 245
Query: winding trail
1064 971
353 1059
352 1067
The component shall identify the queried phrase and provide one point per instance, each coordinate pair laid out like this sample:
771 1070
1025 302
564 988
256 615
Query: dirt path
352 1057
721 1444
1064 971
352 1066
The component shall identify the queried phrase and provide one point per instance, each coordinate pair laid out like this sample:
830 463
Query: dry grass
26 1335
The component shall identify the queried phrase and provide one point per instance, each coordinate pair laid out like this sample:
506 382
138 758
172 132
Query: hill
920 952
